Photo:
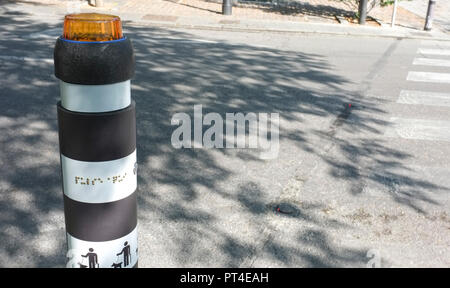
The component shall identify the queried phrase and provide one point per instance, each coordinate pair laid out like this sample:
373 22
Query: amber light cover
92 27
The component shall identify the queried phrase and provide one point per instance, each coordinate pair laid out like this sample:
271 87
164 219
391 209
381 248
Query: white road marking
429 77
424 98
432 62
416 129
432 43
176 39
445 52
204 41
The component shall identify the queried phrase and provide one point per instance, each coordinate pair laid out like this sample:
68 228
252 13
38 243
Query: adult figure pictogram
92 257
126 254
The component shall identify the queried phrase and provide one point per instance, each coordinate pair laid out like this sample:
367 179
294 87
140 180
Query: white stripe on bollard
99 182
105 253
95 98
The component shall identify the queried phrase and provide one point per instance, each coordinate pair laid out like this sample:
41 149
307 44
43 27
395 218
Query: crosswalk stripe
428 77
416 129
424 98
445 52
433 43
432 62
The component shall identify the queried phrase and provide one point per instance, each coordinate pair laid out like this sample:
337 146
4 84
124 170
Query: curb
286 31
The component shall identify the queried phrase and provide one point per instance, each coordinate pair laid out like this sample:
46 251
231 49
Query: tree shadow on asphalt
190 201
30 184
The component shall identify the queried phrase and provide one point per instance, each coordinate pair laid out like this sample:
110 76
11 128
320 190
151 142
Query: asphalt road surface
361 178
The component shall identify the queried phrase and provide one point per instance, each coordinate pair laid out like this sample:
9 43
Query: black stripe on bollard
94 137
97 222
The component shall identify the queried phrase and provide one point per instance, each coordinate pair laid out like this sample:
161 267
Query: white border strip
95 98
106 251
99 182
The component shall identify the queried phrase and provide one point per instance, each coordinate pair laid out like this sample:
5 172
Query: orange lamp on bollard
92 27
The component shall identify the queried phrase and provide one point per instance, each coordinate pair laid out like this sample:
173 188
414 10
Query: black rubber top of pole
96 137
94 63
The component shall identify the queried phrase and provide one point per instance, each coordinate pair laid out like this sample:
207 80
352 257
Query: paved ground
356 184
315 11
314 17
410 16
442 11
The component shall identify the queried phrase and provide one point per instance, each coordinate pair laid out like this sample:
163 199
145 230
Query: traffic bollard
430 15
97 137
227 6
362 11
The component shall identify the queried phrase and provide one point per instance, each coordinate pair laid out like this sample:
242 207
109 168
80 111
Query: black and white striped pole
97 138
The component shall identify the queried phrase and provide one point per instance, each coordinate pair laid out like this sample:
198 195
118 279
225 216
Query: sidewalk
442 12
311 17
